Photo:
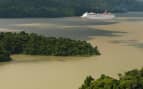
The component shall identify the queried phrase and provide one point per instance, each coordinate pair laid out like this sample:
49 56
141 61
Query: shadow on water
70 27
79 33
74 27
134 43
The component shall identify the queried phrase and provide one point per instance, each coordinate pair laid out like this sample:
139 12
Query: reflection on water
135 43
30 58
75 28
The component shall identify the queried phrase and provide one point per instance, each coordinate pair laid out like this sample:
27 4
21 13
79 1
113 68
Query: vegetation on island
4 55
130 80
33 44
61 8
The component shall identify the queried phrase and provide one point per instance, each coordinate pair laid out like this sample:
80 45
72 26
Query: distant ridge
62 8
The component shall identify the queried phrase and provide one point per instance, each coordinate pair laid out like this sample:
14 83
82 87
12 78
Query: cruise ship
97 16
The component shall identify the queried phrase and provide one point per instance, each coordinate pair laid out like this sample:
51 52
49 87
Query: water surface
119 40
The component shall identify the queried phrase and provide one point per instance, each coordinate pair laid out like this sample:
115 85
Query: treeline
130 80
60 8
33 44
4 55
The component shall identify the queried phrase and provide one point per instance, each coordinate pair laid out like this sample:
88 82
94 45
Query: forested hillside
60 8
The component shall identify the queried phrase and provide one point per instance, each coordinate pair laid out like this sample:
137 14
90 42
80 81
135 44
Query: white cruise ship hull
98 16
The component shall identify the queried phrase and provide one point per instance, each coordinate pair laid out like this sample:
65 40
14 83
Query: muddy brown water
119 40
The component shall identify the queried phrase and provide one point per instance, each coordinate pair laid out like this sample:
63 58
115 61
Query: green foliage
130 80
4 55
58 8
87 83
17 43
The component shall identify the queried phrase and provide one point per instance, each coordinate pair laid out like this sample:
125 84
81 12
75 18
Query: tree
130 80
87 83
4 55
33 44
61 8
